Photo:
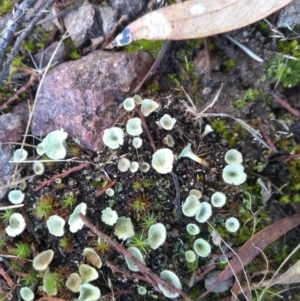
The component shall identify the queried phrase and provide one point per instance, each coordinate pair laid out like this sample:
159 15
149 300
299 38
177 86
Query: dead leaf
254 246
292 275
197 19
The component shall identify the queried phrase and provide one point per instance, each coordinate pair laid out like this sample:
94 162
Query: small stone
211 279
83 24
42 58
81 96
11 130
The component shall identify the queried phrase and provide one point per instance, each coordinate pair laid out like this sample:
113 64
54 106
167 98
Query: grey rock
109 17
83 24
289 16
81 96
211 279
11 130
42 58
131 8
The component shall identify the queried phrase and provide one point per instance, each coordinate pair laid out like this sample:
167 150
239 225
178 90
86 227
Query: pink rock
11 130
81 96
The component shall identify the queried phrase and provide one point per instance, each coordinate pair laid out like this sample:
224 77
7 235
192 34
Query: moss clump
140 241
140 204
152 47
4 216
101 246
249 95
148 220
21 250
45 206
52 283
74 54
6 6
219 126
284 69
70 201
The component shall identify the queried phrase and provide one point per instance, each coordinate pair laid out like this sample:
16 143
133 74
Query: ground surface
246 94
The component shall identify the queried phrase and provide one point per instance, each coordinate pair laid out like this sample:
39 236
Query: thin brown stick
7 278
286 105
118 293
29 225
152 278
265 134
126 274
110 185
48 298
144 124
30 83
61 175
166 45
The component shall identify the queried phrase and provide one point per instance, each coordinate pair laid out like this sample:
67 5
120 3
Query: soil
156 192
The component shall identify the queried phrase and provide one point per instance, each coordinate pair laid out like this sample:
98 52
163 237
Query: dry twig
61 175
110 185
152 278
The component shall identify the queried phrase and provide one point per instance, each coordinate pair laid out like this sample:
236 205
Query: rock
81 96
11 130
131 8
42 58
289 16
83 24
210 280
109 17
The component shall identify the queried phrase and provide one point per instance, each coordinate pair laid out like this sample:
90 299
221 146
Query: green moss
140 184
154 87
30 280
74 54
229 65
52 283
6 6
249 95
65 243
45 207
140 204
101 246
149 220
4 216
139 241
283 67
219 126
70 201
152 47
21 250
29 45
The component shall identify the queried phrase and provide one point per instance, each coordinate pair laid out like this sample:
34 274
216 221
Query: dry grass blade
254 246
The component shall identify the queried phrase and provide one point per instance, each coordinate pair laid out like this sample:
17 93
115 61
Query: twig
102 191
126 274
166 45
12 26
144 124
118 293
62 175
176 200
38 15
7 278
285 104
16 96
11 207
152 278
48 298
28 222
266 136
